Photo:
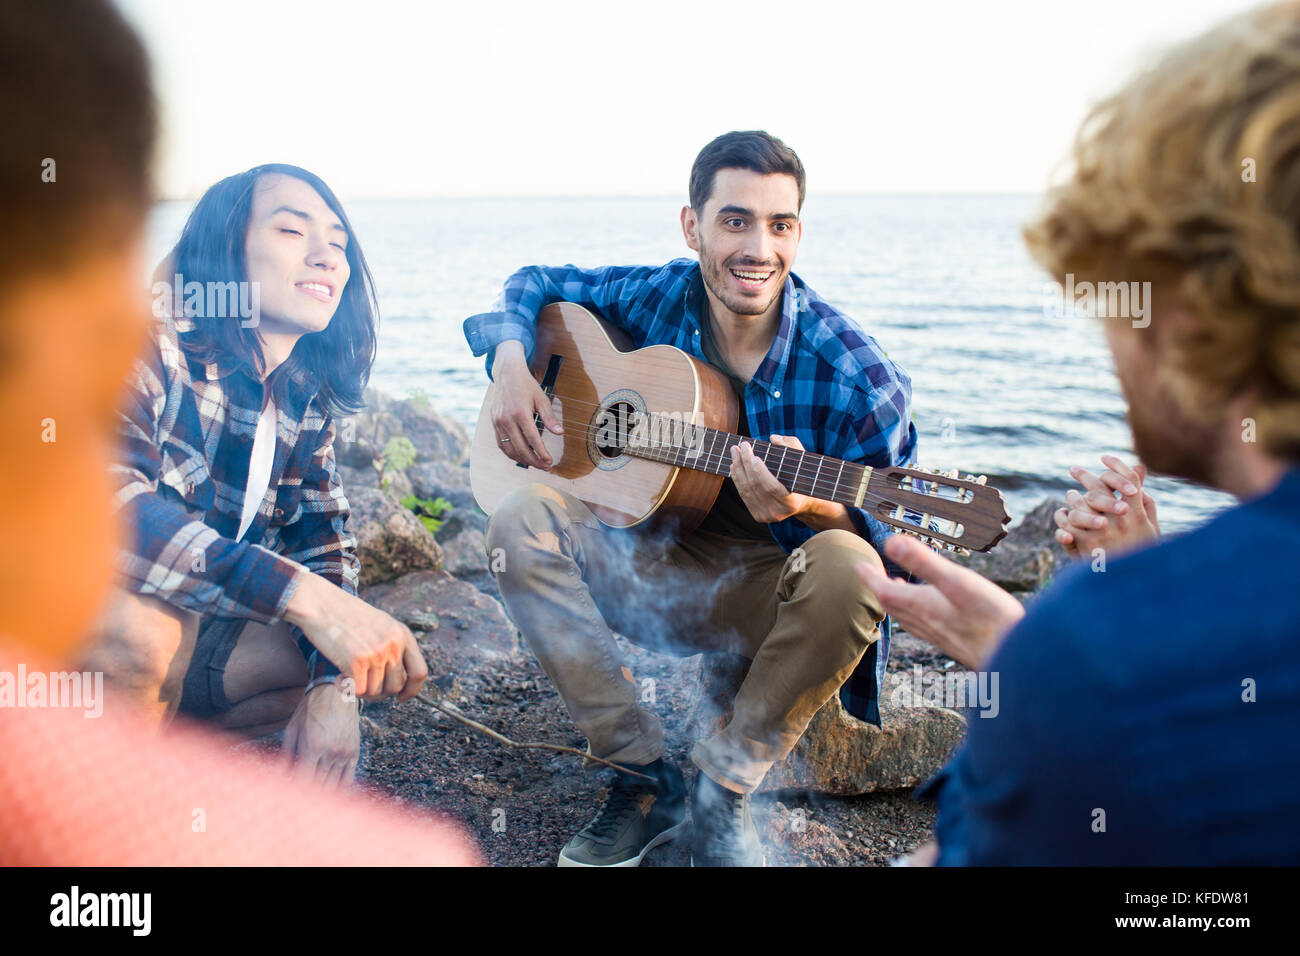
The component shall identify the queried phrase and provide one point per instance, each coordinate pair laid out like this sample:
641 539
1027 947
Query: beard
1165 437
717 279
1170 442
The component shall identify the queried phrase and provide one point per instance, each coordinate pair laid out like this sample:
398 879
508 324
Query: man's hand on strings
769 501
766 498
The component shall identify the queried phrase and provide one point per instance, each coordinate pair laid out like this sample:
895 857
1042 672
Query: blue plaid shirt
824 380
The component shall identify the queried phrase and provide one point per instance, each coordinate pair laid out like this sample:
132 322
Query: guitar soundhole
613 425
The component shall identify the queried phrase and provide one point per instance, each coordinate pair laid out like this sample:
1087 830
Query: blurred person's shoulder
1151 690
1227 587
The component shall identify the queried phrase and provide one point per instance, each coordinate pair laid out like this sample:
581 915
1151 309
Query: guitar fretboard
708 449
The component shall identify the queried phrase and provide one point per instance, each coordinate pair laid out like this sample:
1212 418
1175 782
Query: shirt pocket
288 506
185 473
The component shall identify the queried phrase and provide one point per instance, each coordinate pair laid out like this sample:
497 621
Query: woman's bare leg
264 680
143 649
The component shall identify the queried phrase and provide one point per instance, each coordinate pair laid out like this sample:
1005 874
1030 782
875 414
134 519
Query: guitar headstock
943 509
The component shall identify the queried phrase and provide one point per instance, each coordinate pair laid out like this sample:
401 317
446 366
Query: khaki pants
569 582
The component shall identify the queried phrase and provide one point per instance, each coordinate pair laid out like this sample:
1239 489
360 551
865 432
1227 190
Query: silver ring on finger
505 441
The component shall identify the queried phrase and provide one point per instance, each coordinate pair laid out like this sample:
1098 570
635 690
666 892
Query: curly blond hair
1190 177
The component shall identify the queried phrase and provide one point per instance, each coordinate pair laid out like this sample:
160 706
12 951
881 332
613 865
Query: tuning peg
982 479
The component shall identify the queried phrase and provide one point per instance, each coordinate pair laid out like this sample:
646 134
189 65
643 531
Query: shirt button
278 513
189 488
777 393
697 331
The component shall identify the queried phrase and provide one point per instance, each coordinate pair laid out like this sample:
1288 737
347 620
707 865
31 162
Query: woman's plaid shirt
187 433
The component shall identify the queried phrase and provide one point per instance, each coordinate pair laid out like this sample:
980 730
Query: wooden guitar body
600 377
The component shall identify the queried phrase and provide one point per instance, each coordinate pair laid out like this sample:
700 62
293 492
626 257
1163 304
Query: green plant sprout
398 455
432 512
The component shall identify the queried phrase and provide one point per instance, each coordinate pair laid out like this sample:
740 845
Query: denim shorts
204 693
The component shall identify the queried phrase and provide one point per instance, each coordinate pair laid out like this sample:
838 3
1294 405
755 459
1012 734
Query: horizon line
918 194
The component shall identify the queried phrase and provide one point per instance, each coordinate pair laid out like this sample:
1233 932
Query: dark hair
756 150
74 80
211 249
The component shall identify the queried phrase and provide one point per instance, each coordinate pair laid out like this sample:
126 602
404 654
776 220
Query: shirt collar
771 372
224 368
295 376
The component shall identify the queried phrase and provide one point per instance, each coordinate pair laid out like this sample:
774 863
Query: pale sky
404 99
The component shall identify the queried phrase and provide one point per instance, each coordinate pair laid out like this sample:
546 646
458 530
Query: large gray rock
1027 556
839 754
458 627
460 520
435 437
362 437
391 541
399 485
466 554
441 479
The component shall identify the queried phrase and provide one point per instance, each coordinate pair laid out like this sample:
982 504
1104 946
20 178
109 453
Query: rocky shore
844 797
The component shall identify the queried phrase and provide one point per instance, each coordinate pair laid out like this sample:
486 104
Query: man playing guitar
769 574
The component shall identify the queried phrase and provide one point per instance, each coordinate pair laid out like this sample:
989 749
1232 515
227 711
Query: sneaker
725 834
637 817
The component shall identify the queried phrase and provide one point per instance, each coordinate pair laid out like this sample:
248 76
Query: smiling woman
239 548
282 230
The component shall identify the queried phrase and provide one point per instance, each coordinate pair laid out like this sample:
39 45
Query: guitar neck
709 450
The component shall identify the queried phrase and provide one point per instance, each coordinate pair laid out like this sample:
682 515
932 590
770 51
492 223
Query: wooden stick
451 711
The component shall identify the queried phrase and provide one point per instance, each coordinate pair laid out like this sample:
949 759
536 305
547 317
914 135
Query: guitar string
716 459
666 416
818 485
820 488
828 491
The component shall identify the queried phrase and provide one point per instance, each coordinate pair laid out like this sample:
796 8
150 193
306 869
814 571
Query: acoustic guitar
648 436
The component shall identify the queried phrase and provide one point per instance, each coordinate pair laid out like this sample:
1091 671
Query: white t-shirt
259 467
